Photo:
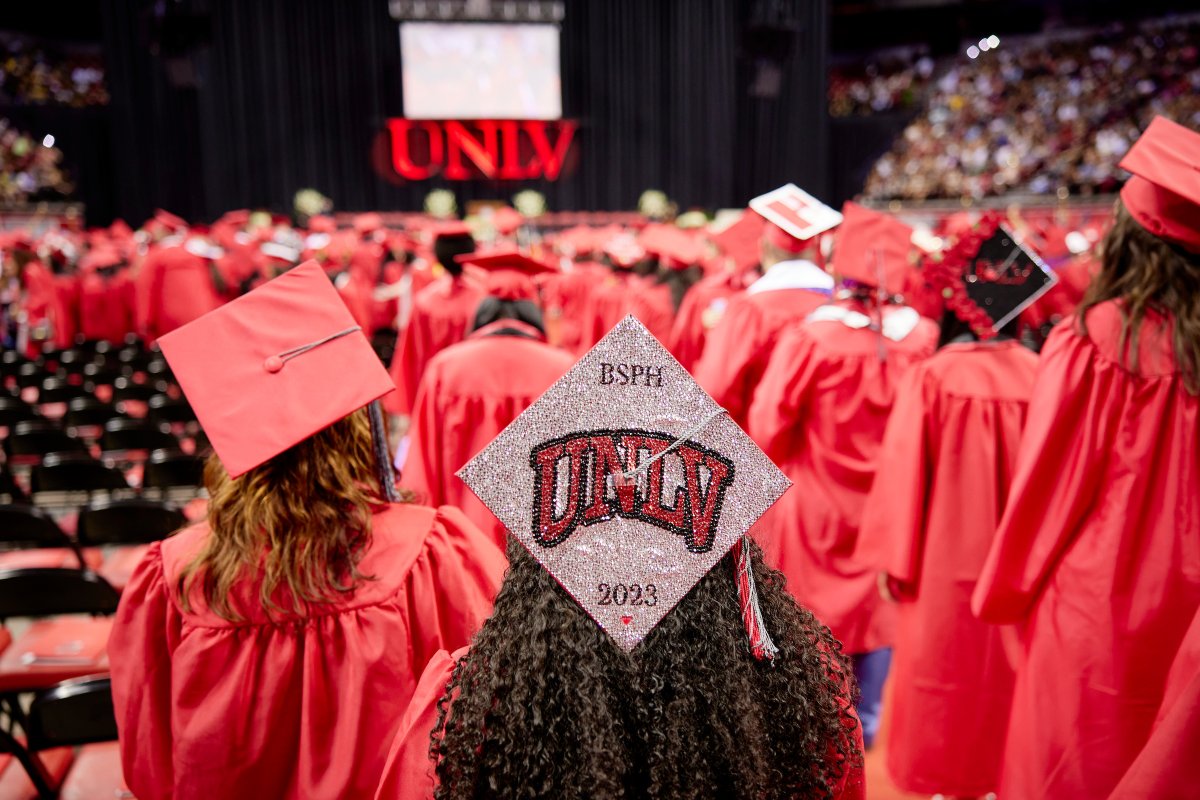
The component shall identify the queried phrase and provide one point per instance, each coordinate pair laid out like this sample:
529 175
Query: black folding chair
65 480
134 521
14 410
23 527
125 389
124 435
59 390
166 409
100 374
72 714
72 362
86 416
32 374
134 357
30 440
10 490
174 475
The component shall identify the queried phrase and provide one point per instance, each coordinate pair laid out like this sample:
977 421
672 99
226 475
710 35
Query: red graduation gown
442 314
700 311
565 297
1166 767
173 288
941 482
471 391
819 413
1098 553
106 306
290 709
737 350
409 774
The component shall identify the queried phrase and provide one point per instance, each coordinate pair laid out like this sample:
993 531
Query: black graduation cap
1004 277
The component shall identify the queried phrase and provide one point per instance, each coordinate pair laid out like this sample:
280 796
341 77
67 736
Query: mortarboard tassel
761 644
383 460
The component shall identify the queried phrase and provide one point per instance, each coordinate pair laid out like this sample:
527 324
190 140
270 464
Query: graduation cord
761 645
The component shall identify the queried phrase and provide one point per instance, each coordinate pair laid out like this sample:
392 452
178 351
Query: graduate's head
638 646
1150 274
449 247
777 245
494 309
298 460
545 704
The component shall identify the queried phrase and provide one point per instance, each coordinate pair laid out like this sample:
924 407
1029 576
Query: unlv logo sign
573 485
506 150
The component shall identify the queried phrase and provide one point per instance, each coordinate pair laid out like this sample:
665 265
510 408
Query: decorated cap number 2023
626 481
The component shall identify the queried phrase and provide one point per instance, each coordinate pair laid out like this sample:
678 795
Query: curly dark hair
1149 275
544 704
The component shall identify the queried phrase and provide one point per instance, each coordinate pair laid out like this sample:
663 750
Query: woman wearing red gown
267 651
472 390
942 479
820 412
1098 553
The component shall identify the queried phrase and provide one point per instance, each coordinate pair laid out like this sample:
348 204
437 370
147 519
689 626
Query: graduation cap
275 366
506 220
628 483
509 273
989 277
1164 193
740 241
674 248
795 216
872 248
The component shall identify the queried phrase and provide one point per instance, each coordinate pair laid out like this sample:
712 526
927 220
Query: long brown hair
1149 275
545 705
302 520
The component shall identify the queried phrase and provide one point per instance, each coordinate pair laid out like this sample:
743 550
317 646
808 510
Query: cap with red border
510 273
628 483
795 217
273 367
872 248
1164 193
674 248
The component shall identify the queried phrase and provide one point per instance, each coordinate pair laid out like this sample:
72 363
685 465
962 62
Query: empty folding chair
86 416
172 411
73 361
100 374
173 475
66 480
30 440
125 389
10 490
55 393
14 410
125 437
75 714
125 528
71 610
29 537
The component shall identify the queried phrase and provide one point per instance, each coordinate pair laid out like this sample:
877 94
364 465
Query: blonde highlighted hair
302 520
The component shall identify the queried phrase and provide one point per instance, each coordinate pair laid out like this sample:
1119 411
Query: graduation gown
819 413
471 391
106 306
699 312
941 482
442 314
173 287
1166 769
1098 555
290 708
565 298
409 774
738 348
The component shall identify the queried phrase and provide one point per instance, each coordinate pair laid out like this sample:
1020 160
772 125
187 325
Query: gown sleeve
1059 467
452 585
724 368
144 634
891 537
779 400
424 463
408 774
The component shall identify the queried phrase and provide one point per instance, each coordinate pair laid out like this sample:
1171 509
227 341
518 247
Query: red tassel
761 645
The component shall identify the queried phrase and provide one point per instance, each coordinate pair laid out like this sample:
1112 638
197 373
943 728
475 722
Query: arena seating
102 455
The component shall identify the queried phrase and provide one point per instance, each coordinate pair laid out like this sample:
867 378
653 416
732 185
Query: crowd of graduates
989 428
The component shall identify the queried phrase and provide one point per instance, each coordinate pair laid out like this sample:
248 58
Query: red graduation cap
510 273
321 224
872 248
1164 193
506 220
674 247
795 216
275 366
452 228
740 241
368 223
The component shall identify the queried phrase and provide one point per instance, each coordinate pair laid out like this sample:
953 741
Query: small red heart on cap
626 620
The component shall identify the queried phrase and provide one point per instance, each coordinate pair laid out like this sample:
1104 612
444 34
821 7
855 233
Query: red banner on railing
506 150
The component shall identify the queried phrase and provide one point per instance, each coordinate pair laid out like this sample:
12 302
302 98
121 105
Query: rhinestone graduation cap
629 483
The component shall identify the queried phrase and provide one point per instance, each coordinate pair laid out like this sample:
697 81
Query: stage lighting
972 52
994 41
48 140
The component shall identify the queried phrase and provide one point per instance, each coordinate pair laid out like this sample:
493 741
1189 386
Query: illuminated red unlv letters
507 150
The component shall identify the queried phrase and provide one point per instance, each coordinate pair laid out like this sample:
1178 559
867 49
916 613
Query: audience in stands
30 170
1044 117
33 74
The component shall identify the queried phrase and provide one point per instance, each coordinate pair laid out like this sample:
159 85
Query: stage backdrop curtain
288 94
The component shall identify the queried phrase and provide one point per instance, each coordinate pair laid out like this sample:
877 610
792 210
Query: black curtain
280 95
